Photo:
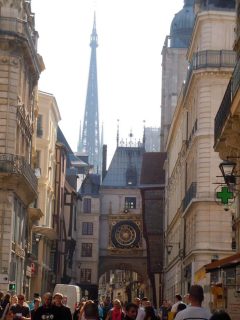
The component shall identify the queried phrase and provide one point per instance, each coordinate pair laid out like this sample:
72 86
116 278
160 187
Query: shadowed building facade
152 192
20 68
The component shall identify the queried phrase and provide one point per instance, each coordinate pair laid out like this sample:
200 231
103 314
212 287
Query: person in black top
47 310
36 305
62 312
19 310
131 311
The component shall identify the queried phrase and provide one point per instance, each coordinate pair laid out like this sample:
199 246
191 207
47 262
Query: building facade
226 143
121 242
87 257
45 159
20 68
174 65
194 221
153 192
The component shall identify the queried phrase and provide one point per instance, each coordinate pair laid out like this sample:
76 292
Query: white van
71 295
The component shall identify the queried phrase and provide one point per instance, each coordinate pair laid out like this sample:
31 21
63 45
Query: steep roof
152 168
126 164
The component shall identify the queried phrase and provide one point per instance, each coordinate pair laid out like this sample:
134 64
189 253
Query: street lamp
227 169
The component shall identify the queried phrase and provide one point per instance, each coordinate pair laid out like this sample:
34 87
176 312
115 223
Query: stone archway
137 286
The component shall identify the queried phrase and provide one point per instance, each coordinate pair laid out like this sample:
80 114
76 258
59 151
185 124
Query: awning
227 262
48 232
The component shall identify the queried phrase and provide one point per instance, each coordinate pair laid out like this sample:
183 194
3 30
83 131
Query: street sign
225 195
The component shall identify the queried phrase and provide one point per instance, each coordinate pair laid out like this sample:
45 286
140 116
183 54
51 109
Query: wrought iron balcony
16 174
225 107
190 194
23 30
210 59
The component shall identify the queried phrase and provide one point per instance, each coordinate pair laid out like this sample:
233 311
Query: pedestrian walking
150 314
141 311
195 310
131 311
116 313
220 315
47 310
36 305
91 311
178 299
20 311
61 311
5 305
180 307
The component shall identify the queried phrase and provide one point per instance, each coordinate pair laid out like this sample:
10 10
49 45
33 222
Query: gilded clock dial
125 234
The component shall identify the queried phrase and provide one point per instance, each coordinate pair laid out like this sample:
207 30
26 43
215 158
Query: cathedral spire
90 140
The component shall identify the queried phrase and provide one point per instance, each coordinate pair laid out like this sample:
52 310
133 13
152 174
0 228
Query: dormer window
131 176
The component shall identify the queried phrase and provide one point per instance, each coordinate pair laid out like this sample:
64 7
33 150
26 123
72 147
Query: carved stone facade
20 68
121 242
194 222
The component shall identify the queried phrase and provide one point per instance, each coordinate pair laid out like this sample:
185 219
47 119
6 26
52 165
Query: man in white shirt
195 309
141 311
178 298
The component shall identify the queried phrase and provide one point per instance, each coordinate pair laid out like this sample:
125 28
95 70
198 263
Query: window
86 249
131 176
87 228
87 205
130 203
39 126
85 275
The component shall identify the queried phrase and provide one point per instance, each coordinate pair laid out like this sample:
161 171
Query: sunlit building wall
45 159
194 222
20 68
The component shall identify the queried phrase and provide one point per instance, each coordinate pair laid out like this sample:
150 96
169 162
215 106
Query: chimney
104 161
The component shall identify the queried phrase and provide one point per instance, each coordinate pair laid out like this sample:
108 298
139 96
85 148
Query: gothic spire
90 142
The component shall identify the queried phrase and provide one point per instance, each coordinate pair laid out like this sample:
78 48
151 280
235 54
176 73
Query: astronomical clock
125 232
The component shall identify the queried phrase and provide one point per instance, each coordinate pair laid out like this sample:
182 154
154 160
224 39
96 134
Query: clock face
125 234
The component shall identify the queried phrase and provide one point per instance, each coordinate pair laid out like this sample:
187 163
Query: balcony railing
17 165
210 59
225 107
223 112
20 28
213 5
190 194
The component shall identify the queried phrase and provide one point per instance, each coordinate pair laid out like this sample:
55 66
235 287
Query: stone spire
90 140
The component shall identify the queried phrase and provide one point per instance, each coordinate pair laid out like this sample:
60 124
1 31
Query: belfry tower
89 142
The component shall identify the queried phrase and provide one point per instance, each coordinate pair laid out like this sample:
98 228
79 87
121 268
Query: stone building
66 208
152 192
87 257
152 139
226 271
45 158
121 242
20 68
174 65
195 223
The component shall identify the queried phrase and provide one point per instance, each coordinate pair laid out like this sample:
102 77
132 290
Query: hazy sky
131 34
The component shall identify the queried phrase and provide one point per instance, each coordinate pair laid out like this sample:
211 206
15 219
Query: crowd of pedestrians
51 307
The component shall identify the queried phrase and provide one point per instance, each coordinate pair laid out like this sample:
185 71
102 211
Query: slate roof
124 158
91 184
152 168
